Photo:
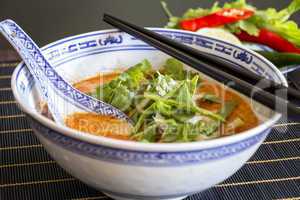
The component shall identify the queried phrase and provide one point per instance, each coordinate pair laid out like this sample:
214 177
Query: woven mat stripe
9 65
19 123
291 130
12 116
283 150
261 172
31 173
233 189
5 74
4 82
274 190
11 140
9 109
6 70
53 190
5 89
27 155
5 77
6 94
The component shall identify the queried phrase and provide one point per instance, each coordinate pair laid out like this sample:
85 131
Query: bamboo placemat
27 171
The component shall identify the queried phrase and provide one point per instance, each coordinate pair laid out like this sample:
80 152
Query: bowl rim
136 146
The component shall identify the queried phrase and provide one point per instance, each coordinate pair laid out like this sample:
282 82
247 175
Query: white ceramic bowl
131 170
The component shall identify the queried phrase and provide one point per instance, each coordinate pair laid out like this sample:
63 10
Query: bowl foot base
116 197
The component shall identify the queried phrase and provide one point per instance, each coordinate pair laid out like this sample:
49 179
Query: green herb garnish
162 103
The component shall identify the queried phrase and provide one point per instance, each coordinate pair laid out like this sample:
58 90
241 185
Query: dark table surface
27 171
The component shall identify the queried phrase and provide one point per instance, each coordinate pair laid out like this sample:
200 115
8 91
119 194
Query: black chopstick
274 102
231 68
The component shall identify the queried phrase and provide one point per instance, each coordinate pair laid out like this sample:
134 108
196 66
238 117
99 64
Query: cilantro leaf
228 108
174 68
188 108
184 95
133 77
162 105
147 135
120 92
211 98
162 84
122 98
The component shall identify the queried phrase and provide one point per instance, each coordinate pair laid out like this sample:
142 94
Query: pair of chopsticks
263 90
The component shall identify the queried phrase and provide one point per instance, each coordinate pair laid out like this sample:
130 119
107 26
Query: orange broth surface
114 128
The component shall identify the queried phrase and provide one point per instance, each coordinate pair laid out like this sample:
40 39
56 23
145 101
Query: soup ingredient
266 23
232 126
175 70
211 98
170 104
99 125
89 84
120 92
243 110
281 59
228 108
169 110
163 105
219 18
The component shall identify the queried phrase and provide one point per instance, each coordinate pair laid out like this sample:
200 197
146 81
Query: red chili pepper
270 39
225 16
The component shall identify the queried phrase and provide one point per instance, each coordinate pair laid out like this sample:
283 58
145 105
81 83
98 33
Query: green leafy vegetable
188 108
281 59
120 92
277 21
184 96
201 12
162 84
228 108
162 103
141 120
133 77
174 68
121 98
147 135
271 19
243 25
211 98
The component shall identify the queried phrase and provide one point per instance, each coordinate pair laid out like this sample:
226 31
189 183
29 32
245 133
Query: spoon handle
51 84
24 48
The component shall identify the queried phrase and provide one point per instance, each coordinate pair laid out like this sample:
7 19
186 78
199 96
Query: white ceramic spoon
61 97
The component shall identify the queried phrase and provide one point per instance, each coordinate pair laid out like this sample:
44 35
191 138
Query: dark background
47 21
